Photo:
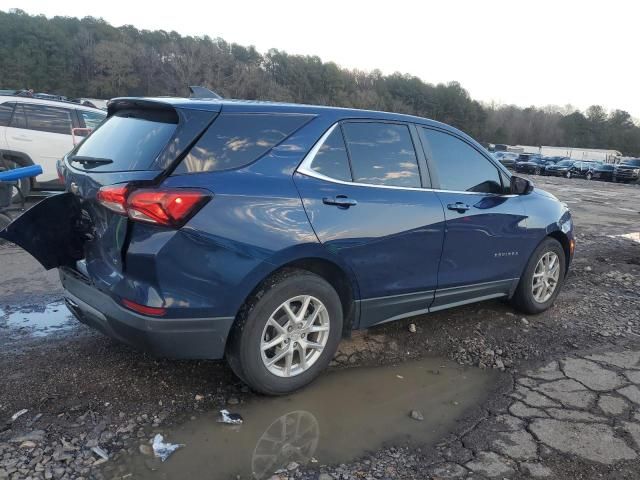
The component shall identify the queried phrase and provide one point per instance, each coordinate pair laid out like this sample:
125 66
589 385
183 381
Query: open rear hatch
138 145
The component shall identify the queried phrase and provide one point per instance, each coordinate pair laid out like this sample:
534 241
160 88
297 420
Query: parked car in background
508 159
627 171
177 237
37 131
527 163
560 169
602 171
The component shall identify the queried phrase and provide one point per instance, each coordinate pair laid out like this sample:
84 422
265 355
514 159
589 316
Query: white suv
35 131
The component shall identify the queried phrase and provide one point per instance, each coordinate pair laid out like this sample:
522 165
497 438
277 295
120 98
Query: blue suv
265 232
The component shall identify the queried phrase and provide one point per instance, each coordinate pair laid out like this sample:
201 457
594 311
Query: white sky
538 52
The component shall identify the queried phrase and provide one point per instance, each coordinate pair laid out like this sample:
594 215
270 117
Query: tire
254 328
538 171
23 183
524 299
588 176
5 220
568 174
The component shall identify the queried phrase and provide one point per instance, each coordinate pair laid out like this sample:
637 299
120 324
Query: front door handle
458 207
341 201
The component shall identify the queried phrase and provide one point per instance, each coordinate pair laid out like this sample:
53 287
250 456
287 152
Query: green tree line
90 58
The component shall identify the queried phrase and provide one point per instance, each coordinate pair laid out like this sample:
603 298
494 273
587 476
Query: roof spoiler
202 92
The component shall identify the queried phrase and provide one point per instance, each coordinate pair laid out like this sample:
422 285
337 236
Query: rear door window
460 167
6 110
18 120
382 154
44 118
331 160
130 139
238 139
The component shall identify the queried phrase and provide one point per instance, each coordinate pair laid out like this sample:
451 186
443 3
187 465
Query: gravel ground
566 405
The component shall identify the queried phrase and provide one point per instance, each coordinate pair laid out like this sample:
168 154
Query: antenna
202 92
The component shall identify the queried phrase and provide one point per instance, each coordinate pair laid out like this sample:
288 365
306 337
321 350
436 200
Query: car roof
259 106
52 103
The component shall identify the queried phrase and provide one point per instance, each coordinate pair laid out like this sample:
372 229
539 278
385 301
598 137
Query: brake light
165 207
143 309
169 207
114 197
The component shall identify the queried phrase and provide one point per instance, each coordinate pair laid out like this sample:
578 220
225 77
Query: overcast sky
538 52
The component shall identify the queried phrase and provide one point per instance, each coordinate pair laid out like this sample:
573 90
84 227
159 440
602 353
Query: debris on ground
416 415
100 452
412 328
230 418
18 414
163 450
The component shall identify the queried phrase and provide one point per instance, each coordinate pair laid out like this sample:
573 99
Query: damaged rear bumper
175 338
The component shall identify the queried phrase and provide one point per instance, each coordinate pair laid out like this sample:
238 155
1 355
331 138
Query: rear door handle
458 207
341 201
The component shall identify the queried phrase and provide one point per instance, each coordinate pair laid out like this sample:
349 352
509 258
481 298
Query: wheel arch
564 240
338 276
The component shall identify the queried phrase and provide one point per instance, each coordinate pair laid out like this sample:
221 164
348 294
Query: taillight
143 309
169 207
165 207
114 197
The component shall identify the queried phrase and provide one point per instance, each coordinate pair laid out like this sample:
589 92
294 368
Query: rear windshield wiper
90 160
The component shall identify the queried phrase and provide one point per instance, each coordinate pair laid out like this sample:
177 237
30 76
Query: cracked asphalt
565 405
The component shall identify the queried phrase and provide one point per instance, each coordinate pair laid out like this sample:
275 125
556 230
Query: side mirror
520 186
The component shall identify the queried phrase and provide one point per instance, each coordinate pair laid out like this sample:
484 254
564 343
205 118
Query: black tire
24 183
538 171
243 349
5 220
523 298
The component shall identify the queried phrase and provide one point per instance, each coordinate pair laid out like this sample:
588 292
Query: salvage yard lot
557 403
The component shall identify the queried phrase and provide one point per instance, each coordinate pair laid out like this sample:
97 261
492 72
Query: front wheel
589 176
287 334
542 279
538 171
568 174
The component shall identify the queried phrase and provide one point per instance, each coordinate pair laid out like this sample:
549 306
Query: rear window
44 118
131 139
235 140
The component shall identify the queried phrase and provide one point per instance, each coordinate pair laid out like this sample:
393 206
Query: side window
6 109
332 160
460 167
18 120
382 154
91 119
48 119
235 140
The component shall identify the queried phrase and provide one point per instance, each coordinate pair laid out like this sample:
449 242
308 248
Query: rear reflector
168 207
143 309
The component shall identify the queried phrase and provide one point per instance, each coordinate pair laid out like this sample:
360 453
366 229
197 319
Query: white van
35 131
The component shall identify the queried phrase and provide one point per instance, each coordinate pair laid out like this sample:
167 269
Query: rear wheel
538 171
24 184
542 278
568 174
5 220
589 176
287 333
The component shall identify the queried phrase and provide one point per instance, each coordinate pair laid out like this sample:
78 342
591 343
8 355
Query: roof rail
202 92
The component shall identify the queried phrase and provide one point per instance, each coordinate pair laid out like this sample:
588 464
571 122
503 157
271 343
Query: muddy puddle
342 416
38 322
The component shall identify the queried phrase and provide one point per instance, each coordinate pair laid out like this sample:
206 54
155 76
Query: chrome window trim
305 169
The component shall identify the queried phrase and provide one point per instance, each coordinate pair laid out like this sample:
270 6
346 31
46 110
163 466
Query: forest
90 58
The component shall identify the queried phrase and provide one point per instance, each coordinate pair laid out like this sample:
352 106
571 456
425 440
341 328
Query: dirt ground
566 402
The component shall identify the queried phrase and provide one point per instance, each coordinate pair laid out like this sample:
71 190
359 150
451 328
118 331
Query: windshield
635 162
565 163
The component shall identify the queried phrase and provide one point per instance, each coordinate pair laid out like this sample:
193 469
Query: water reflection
338 418
293 437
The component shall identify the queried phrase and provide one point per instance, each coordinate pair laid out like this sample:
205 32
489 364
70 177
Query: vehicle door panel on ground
366 204
43 133
482 254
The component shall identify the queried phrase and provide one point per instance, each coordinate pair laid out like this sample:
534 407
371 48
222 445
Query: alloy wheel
545 277
295 336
